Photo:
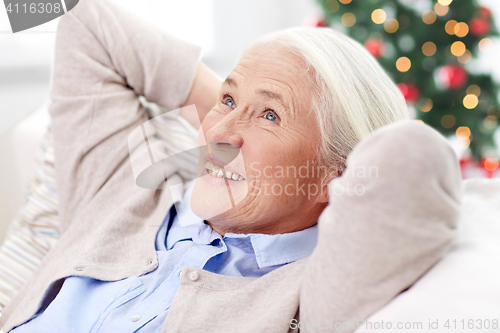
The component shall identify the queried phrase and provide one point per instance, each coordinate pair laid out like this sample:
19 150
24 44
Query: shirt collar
270 250
188 226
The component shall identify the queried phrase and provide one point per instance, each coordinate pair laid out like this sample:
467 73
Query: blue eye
228 101
270 115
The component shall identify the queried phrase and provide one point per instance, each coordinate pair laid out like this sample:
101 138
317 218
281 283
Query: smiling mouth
219 172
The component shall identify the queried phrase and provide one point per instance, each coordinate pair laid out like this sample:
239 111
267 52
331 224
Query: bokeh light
461 29
463 131
425 104
493 110
464 142
491 164
403 64
391 25
429 17
470 101
450 27
348 19
490 122
448 121
406 43
332 6
345 2
485 44
379 16
463 135
474 89
445 2
458 49
440 9
465 58
429 49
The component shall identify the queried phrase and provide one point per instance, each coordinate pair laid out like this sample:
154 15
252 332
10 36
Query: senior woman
259 262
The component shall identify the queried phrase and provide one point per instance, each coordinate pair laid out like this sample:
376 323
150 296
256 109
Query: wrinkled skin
265 108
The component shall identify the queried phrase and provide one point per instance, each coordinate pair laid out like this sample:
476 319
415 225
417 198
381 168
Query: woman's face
265 136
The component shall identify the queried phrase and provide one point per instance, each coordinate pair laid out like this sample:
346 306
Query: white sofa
18 146
461 293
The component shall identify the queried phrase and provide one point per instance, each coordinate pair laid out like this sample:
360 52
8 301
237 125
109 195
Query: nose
228 130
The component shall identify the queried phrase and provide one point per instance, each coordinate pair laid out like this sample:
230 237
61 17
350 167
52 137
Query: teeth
219 172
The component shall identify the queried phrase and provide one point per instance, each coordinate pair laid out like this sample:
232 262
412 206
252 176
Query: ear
323 196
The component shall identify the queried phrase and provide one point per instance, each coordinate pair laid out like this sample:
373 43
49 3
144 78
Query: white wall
236 23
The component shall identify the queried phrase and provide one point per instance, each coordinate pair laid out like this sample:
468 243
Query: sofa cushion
461 293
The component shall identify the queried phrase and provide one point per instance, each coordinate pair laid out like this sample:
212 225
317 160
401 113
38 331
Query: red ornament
410 92
315 22
479 26
485 12
465 164
453 76
375 46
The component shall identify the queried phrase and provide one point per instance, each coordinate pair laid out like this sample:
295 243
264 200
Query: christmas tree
427 46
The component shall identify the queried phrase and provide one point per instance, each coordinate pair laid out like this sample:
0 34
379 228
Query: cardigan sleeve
391 216
106 58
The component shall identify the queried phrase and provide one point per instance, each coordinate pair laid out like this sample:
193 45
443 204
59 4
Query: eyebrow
272 95
266 93
231 82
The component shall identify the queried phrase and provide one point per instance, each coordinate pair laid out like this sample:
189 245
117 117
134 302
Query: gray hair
355 95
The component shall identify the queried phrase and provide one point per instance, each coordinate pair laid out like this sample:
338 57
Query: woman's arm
390 218
105 58
203 94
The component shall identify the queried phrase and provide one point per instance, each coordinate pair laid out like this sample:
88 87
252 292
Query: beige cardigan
370 246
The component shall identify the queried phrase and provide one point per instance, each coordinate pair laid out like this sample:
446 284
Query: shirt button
220 244
136 318
194 276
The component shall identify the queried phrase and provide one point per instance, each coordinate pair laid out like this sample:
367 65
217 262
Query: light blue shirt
141 303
